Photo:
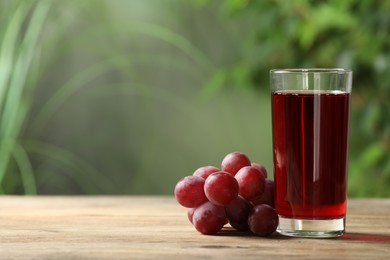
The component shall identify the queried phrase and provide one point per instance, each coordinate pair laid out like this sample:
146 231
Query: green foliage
102 96
17 52
20 57
103 69
352 34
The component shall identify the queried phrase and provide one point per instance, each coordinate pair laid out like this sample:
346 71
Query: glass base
319 228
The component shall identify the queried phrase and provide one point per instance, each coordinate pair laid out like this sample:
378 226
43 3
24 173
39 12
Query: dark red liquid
310 138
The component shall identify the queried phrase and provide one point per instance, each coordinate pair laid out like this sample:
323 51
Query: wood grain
157 228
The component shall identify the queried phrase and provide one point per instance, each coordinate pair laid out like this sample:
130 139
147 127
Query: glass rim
311 70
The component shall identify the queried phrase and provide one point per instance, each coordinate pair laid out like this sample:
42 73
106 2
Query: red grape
263 220
268 196
209 218
190 213
189 191
221 188
240 226
251 182
237 213
238 210
261 168
234 161
238 194
205 171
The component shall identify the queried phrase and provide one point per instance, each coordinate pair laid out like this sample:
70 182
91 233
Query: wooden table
157 228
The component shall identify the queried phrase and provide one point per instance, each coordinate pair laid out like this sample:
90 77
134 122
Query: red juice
310 139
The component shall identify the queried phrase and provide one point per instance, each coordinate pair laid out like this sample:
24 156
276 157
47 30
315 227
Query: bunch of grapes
239 194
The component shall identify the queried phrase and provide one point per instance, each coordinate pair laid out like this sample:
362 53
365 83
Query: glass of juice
310 121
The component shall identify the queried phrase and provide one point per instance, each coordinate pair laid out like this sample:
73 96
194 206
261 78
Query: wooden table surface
109 227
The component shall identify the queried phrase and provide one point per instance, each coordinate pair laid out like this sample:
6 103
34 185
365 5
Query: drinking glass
310 121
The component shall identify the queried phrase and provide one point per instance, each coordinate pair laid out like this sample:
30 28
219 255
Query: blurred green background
127 97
